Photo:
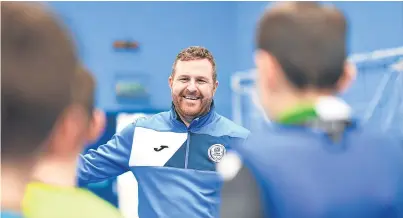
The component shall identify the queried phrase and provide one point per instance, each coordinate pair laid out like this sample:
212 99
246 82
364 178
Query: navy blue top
302 173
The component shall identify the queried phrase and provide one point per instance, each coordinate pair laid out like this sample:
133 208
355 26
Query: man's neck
13 182
187 120
56 171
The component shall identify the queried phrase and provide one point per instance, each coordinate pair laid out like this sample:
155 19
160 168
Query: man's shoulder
374 138
160 121
231 124
224 126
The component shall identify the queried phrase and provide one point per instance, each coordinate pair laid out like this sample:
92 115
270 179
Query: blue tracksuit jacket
175 165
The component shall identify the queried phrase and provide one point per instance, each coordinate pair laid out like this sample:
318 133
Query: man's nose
192 86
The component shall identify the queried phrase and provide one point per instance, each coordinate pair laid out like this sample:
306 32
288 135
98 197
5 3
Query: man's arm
108 160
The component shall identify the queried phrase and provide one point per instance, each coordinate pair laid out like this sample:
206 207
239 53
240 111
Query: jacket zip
187 150
188 143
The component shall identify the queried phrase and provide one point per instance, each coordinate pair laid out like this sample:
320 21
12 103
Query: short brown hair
84 90
195 53
308 40
38 63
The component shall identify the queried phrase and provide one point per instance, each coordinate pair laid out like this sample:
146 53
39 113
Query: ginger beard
191 104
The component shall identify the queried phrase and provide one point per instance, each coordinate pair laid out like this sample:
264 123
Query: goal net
376 95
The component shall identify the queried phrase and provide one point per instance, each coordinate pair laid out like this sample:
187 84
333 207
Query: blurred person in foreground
315 160
39 78
52 193
173 154
38 63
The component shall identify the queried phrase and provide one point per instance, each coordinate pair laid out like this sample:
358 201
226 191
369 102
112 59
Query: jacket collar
326 108
198 122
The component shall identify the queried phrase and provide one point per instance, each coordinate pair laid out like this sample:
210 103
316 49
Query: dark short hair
195 53
308 40
38 62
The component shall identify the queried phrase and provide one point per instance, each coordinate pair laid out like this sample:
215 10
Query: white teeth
191 98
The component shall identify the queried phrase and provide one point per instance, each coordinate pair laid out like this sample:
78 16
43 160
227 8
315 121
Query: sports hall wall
374 25
162 29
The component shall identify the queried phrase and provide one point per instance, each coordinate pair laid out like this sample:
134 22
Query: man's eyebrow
197 77
202 77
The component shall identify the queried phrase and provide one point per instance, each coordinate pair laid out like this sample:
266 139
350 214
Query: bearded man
173 154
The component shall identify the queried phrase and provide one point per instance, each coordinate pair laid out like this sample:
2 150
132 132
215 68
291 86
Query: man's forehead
201 63
194 67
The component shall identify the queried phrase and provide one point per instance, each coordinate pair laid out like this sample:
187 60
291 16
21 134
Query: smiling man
173 154
192 88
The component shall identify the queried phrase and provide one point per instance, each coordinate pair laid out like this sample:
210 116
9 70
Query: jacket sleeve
108 160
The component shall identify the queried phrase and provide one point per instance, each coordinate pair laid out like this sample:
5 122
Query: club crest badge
216 152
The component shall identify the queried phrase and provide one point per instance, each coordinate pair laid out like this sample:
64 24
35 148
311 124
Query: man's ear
97 125
348 77
215 86
170 81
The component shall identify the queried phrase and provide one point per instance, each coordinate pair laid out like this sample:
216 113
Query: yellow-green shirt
48 201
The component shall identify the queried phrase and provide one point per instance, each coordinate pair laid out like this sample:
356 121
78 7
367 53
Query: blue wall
373 25
226 28
162 29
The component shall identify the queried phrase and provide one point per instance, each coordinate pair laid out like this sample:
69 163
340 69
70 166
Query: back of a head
38 65
308 40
